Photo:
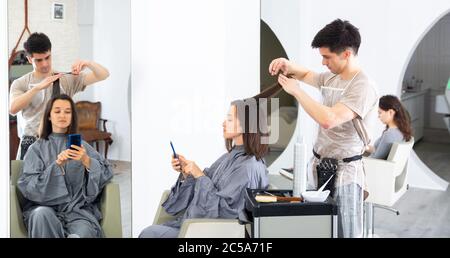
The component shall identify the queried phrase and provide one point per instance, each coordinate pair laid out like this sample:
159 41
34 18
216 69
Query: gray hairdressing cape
71 190
220 193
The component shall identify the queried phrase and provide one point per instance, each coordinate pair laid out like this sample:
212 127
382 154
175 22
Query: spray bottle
300 165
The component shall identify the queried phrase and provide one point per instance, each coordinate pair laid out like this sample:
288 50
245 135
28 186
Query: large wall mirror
97 31
426 95
272 48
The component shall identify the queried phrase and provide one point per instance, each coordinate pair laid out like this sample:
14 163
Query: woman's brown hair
46 124
255 130
253 121
401 117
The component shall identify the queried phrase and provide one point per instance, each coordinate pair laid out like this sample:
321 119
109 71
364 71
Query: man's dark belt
346 160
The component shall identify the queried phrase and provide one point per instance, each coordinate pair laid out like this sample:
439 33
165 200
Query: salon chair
109 206
201 228
386 181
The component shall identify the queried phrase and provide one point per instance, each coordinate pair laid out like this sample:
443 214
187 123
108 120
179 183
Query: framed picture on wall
58 12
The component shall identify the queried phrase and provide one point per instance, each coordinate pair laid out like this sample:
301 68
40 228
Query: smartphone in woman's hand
73 139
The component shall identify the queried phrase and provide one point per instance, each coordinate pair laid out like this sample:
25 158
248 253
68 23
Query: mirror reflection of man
30 93
349 109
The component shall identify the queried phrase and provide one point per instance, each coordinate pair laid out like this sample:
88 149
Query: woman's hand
289 85
178 166
189 167
79 153
63 157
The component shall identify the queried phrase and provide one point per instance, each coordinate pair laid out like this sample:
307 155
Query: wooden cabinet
415 104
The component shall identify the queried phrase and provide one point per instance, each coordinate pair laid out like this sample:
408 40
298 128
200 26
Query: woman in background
393 114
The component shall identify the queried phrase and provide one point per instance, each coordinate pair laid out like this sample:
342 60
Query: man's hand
18 103
289 85
290 69
98 72
78 66
48 81
370 149
280 64
189 167
79 153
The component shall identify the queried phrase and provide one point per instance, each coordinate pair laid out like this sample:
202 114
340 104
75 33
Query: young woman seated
398 126
62 185
218 191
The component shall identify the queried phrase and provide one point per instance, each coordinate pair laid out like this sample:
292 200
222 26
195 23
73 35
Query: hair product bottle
300 162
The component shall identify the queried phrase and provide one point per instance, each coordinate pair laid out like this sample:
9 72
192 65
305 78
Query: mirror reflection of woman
218 191
62 186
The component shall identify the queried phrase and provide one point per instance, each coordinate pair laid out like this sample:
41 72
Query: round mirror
271 48
426 97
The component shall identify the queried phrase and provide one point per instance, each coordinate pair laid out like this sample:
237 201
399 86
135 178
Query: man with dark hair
31 92
349 107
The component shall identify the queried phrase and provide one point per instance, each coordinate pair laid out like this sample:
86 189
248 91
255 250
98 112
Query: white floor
423 213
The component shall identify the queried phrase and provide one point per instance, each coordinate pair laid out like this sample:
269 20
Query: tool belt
327 168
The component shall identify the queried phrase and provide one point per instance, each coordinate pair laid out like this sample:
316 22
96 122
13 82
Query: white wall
390 33
86 12
189 59
112 49
63 34
105 37
4 123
